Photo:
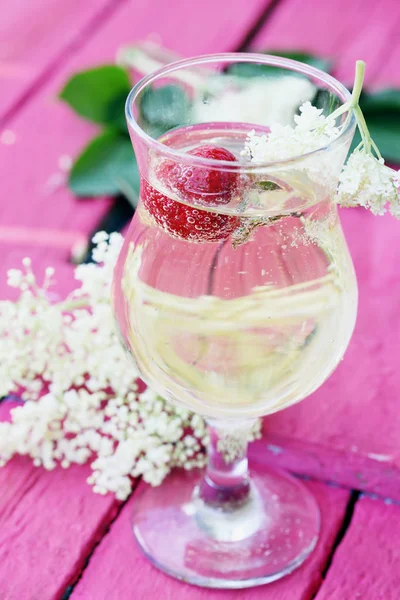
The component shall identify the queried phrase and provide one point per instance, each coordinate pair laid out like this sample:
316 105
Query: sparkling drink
232 327
236 295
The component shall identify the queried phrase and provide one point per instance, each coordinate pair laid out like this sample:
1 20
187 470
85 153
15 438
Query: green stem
362 126
354 105
375 147
355 96
340 111
368 142
358 83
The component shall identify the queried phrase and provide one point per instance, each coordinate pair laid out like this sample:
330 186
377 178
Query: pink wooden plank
34 34
46 129
367 563
342 30
348 430
15 478
117 568
43 131
42 257
50 521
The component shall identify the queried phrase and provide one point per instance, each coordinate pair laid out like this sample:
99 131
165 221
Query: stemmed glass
236 295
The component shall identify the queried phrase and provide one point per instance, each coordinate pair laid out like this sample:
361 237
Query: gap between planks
253 31
97 539
347 519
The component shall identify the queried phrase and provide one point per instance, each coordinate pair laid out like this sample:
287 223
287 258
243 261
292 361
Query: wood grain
34 36
347 431
46 130
341 30
42 257
366 564
117 568
50 521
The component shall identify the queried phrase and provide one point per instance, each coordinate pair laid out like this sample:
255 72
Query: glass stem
225 503
226 481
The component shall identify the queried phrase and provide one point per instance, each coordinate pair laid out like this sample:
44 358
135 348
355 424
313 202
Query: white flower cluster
310 132
83 400
365 180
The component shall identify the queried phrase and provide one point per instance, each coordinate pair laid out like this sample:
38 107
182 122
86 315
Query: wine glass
236 295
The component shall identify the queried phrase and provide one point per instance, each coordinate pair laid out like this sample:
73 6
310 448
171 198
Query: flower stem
354 105
368 143
355 97
362 126
375 147
358 83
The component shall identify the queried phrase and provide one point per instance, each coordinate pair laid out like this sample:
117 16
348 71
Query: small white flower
368 182
14 277
310 132
100 236
310 118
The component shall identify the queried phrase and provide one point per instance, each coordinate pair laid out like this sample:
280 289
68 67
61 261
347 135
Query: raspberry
199 183
186 222
204 185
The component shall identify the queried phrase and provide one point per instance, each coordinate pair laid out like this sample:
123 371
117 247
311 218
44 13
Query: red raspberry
201 184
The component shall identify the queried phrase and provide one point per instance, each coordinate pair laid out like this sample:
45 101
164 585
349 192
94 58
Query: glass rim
291 65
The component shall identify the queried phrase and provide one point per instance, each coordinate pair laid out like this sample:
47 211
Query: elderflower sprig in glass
236 295
365 179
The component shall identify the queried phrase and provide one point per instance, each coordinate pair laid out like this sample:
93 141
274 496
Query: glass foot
269 535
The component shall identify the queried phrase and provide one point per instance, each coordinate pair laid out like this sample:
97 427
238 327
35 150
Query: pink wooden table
58 539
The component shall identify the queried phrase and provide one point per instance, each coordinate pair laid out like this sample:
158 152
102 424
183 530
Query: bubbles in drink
236 299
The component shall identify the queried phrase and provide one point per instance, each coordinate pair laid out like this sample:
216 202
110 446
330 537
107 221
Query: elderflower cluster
83 399
311 131
123 438
364 181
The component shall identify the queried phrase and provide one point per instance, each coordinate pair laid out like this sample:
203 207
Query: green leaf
165 107
268 186
106 166
385 131
384 100
99 94
257 70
